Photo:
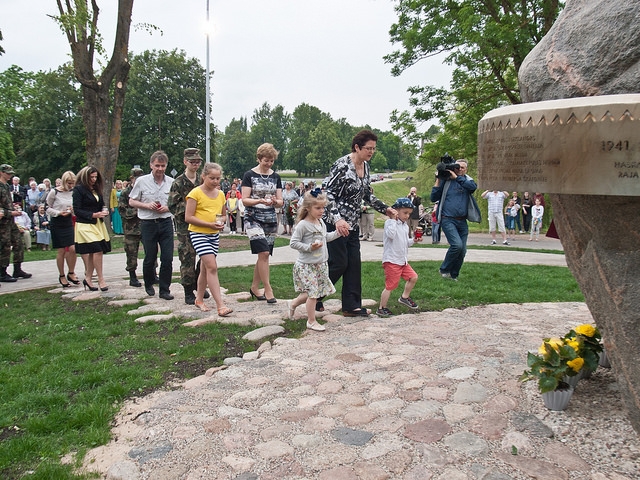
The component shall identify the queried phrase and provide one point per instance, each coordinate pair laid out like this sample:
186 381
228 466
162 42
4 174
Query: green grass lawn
66 367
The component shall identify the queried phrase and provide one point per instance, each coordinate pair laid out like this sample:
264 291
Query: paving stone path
417 396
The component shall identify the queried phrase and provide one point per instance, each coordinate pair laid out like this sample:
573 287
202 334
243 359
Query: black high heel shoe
257 297
86 285
74 281
272 300
64 285
104 289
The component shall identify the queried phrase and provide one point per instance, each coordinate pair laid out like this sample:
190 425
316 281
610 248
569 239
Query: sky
326 53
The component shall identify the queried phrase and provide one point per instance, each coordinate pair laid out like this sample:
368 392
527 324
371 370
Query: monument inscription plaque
587 145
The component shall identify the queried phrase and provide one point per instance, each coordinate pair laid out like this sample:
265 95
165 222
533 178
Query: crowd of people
326 225
507 219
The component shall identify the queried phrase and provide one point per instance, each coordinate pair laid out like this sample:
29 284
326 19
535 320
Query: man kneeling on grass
395 263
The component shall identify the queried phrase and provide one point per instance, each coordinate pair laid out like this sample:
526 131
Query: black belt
156 220
455 218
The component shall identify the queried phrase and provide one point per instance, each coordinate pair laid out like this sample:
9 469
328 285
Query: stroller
424 221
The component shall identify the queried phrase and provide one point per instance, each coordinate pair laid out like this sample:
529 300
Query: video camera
446 165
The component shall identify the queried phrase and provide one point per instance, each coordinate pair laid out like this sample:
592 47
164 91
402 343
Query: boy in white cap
395 253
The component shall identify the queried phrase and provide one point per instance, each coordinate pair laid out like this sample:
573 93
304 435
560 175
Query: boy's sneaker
506 243
493 242
384 312
408 303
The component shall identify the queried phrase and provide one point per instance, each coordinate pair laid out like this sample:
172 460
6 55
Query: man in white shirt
150 195
496 214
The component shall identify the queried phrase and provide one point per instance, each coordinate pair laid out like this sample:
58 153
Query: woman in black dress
60 202
92 238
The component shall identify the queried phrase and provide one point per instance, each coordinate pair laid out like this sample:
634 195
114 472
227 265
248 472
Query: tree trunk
103 96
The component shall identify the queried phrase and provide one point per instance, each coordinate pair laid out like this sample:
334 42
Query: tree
379 162
103 96
52 134
325 147
304 120
165 108
236 155
485 40
15 87
270 126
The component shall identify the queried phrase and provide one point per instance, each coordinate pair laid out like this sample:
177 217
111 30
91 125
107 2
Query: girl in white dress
311 270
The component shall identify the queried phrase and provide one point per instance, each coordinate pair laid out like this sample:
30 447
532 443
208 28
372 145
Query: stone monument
593 49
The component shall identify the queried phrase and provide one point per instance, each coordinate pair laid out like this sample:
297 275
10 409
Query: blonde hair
266 150
67 177
309 201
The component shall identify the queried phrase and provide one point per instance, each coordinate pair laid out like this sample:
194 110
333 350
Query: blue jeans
157 233
456 232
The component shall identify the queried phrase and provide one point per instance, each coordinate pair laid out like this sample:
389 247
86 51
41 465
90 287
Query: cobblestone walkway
416 397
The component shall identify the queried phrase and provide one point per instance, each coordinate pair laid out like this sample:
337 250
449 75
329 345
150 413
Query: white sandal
316 326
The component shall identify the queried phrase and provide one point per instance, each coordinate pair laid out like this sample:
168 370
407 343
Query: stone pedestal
594 49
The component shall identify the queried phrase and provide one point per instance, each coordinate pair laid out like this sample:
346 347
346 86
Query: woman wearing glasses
347 186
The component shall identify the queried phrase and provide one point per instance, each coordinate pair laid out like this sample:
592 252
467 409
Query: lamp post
208 113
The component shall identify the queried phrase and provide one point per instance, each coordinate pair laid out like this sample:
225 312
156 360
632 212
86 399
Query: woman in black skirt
60 211
92 238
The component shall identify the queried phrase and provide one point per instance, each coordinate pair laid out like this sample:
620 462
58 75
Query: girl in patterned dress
311 270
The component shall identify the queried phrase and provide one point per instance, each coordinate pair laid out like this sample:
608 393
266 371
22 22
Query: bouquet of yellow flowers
587 339
556 358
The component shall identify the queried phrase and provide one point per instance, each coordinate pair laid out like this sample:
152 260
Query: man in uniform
10 237
131 227
180 188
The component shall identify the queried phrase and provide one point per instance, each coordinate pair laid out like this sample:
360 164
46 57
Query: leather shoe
150 291
360 312
7 278
166 296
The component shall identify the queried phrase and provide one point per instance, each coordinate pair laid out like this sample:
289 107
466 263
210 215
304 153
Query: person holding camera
452 189
414 219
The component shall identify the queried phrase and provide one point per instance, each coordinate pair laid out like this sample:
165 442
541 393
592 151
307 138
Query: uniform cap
6 168
192 154
136 172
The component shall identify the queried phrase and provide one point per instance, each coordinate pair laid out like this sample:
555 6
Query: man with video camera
452 189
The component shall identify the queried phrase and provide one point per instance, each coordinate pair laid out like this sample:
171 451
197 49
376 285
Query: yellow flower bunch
573 343
556 358
576 364
586 330
585 339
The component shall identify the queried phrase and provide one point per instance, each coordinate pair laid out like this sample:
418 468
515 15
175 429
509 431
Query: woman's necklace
264 176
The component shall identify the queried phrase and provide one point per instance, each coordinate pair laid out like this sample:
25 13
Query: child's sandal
292 309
